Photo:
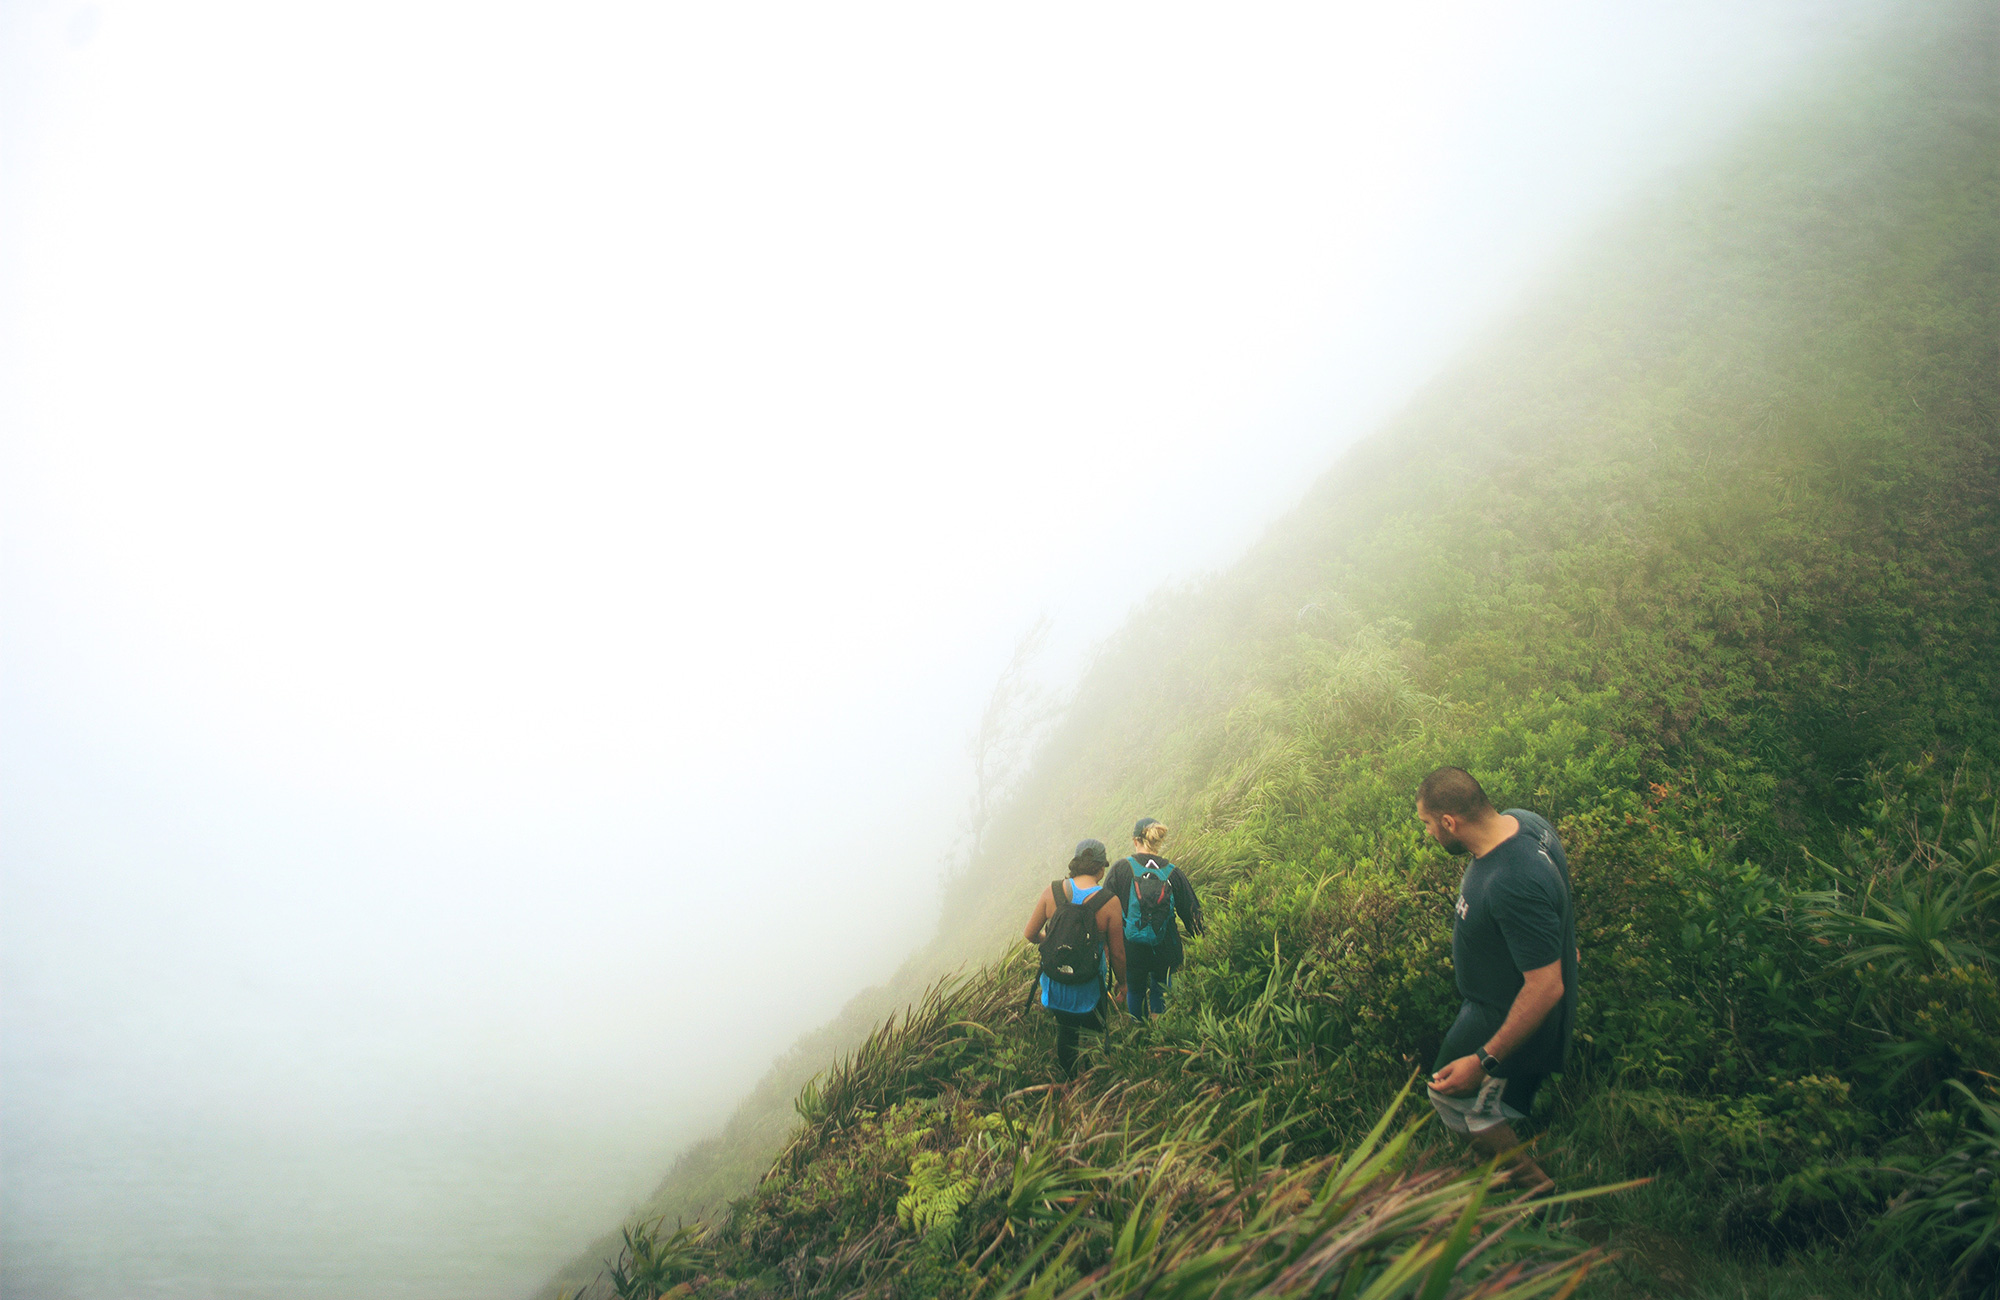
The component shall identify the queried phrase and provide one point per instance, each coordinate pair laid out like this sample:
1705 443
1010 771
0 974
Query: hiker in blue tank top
1080 929
1513 951
1156 894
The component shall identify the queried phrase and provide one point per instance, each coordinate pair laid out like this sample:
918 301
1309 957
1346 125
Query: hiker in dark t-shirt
1513 951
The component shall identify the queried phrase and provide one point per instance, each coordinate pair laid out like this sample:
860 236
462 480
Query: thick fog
512 514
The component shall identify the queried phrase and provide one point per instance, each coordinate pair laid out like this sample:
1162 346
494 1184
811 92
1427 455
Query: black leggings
1149 969
1067 1025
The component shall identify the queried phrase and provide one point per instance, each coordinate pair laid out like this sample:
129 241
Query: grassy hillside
1697 557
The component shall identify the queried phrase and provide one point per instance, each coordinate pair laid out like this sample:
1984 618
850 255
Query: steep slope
1697 556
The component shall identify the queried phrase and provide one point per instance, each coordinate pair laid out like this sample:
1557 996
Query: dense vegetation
1700 557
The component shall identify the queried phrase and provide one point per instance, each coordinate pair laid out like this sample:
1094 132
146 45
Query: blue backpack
1149 911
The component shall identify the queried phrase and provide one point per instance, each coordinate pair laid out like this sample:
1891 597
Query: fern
937 1193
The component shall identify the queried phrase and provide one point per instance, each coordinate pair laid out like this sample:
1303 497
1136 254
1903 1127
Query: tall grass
1701 560
1218 1150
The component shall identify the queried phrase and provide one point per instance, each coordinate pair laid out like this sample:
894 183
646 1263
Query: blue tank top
1080 998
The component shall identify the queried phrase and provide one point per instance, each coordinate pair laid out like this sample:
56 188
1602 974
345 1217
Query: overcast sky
485 486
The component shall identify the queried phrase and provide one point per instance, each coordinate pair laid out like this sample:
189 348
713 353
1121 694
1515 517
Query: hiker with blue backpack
1155 894
1079 927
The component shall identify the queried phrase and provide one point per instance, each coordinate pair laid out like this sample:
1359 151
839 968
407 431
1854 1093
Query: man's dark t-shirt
1514 913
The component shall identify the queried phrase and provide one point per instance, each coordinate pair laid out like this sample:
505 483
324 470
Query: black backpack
1073 950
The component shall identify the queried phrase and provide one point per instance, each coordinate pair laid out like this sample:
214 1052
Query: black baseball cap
1139 831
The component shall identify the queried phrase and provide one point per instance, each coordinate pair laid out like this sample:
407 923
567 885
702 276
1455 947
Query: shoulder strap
1061 894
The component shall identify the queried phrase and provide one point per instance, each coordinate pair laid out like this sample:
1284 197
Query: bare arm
1111 921
1045 907
1541 990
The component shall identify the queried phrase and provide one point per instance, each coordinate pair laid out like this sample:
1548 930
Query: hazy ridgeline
1696 555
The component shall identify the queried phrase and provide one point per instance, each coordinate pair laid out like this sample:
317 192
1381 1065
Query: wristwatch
1487 1061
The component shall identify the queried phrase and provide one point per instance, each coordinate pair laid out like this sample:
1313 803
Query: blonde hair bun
1151 833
